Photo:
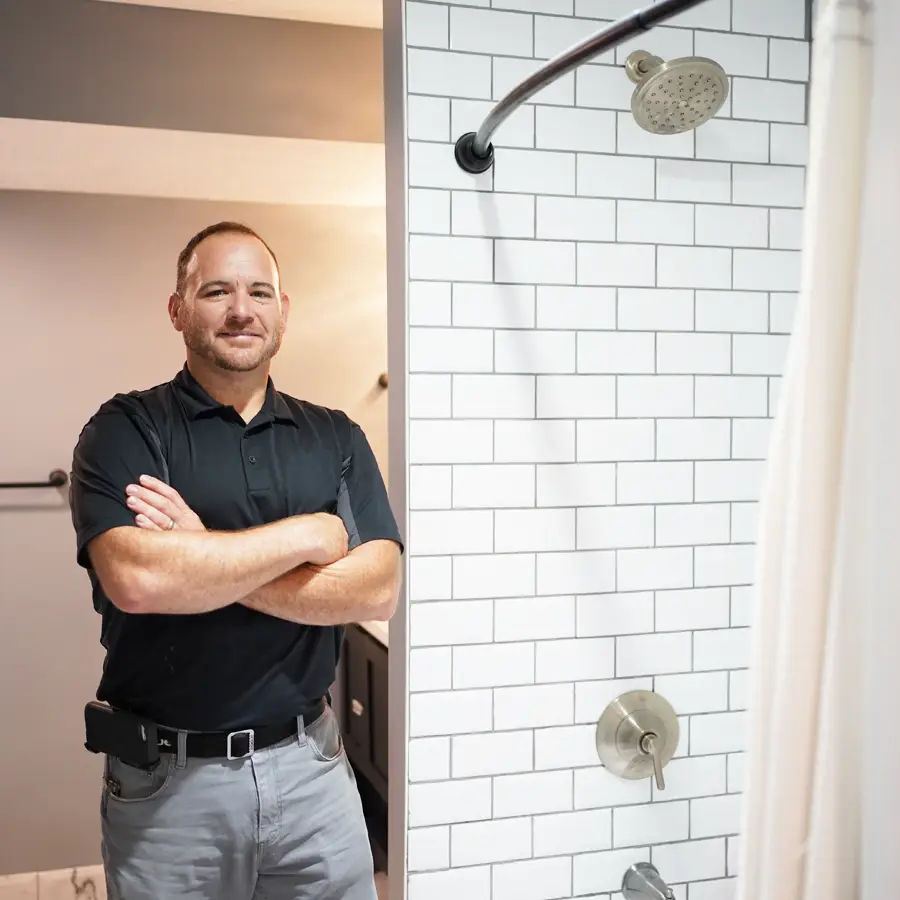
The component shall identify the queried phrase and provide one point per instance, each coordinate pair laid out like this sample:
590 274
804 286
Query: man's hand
328 539
158 507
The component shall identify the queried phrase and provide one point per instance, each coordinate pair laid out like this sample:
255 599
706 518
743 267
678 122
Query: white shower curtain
822 800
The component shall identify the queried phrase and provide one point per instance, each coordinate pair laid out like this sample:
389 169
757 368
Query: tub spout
643 882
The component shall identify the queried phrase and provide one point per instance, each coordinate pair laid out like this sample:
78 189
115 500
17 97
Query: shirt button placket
254 473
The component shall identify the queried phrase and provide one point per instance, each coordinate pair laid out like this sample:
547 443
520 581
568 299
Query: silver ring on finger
171 525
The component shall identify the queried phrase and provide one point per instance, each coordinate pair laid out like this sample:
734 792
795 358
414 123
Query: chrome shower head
675 96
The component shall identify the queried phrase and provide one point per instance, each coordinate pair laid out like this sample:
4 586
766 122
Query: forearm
193 571
364 585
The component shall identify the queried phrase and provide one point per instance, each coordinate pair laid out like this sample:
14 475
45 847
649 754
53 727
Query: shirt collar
197 402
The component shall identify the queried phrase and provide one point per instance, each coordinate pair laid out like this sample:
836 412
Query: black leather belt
236 744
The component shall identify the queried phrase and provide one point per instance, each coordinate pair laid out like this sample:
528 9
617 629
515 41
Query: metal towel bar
56 479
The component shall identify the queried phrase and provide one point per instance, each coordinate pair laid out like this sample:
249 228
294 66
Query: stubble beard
203 344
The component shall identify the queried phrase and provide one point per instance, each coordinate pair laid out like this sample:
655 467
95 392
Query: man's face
232 313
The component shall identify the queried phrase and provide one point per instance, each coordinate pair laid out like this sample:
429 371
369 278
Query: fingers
149 515
143 522
161 509
139 498
163 489
157 498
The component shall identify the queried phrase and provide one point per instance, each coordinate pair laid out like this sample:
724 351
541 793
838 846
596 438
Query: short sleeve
363 502
113 451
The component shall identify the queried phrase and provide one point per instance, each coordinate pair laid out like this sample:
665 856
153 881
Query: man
229 531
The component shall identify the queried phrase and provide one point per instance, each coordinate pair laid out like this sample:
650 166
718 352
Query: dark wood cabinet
363 713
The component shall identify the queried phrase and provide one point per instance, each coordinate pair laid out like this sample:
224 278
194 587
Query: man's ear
285 307
175 303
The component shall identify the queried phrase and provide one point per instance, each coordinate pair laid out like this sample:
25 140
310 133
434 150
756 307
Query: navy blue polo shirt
233 667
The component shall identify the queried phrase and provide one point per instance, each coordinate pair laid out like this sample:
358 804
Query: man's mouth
239 334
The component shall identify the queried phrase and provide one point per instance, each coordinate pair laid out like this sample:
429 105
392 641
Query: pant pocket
124 783
324 736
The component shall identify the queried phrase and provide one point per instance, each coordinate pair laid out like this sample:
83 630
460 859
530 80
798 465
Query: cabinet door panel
378 686
357 711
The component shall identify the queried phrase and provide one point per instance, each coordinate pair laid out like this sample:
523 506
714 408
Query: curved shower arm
474 151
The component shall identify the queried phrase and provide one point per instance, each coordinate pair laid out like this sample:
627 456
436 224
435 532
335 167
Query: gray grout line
556 151
525 773
509 237
540 60
648 330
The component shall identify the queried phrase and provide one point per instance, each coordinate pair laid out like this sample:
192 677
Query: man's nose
241 305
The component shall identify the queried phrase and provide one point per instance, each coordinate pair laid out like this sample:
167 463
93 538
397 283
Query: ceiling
360 13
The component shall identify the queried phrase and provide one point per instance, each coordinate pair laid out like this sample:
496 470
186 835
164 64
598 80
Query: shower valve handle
650 745
637 735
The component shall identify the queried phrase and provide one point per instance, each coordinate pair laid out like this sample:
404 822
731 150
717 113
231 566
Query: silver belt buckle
251 743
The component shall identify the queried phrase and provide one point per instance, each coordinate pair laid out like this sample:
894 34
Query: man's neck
245 391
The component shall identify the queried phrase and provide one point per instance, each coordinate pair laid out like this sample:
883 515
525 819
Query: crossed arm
363 585
297 569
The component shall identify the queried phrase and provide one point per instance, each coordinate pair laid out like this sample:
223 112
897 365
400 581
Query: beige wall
83 293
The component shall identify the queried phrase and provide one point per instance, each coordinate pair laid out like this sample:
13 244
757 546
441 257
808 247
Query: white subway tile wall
597 330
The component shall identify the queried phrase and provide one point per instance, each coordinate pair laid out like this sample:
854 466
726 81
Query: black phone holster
121 734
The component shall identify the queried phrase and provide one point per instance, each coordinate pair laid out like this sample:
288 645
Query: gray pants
283 824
